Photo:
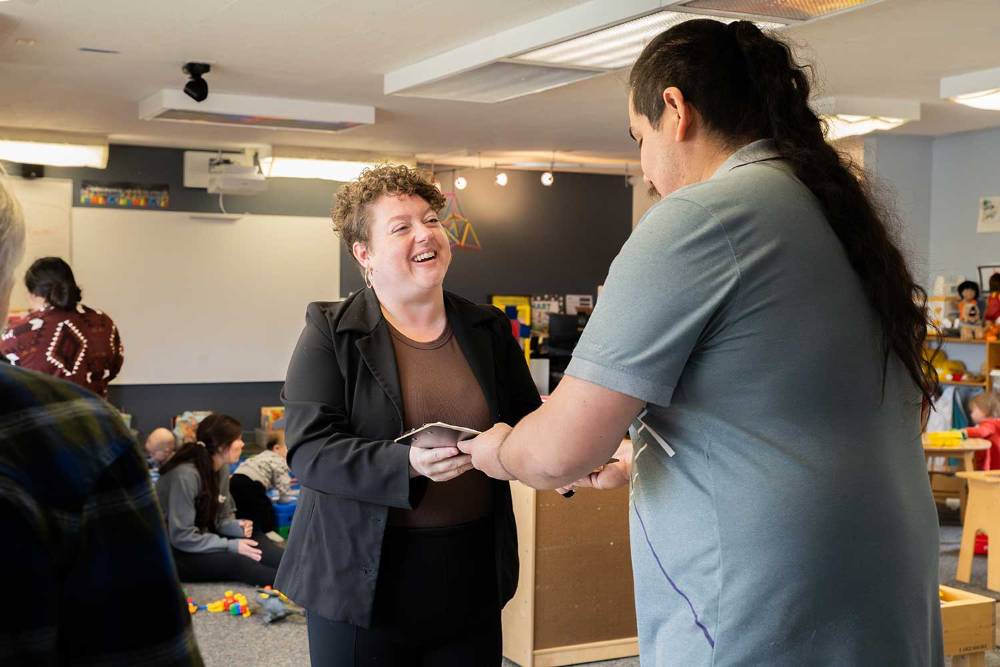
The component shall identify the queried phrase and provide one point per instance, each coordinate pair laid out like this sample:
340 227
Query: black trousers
226 566
435 605
252 502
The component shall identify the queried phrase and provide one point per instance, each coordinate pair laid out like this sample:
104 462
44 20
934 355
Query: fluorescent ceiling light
987 99
531 161
792 10
328 170
254 111
619 46
55 154
980 90
592 37
853 116
845 125
520 61
500 81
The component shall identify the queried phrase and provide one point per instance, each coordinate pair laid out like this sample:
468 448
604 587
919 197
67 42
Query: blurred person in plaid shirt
89 575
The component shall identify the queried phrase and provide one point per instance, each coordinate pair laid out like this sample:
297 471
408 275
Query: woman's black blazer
343 411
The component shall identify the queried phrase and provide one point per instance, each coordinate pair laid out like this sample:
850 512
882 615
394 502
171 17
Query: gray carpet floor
226 640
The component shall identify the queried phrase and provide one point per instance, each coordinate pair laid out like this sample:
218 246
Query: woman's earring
368 276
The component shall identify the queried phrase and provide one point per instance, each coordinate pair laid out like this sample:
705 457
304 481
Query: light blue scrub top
794 524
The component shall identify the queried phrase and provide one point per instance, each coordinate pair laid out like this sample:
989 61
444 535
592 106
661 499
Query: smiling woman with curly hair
402 554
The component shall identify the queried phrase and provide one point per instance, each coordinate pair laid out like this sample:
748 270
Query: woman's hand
439 464
249 549
247 526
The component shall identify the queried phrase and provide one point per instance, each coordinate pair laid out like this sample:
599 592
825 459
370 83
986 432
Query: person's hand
249 549
439 464
247 526
485 451
610 476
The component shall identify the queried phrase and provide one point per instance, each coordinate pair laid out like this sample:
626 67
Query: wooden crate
968 622
575 601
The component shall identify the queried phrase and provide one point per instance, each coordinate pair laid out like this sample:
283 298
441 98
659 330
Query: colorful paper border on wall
125 195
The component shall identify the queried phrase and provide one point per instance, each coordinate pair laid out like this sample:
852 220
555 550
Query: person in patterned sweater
60 336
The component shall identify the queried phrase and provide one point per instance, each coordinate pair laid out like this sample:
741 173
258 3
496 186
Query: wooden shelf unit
954 339
992 354
575 601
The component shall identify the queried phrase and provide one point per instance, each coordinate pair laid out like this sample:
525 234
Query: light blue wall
935 185
901 167
966 167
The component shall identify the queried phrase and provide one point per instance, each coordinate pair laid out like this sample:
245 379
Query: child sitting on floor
254 478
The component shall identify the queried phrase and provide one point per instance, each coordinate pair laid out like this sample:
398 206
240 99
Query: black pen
571 492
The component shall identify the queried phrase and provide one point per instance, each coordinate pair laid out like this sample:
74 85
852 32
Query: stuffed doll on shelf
969 313
993 301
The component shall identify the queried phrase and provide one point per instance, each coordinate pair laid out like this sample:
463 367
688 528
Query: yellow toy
952 438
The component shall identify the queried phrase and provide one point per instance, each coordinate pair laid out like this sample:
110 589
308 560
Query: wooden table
966 452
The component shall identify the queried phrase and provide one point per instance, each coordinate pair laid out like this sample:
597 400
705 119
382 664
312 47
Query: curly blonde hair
988 402
351 210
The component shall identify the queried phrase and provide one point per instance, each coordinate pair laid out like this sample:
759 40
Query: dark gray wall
153 405
536 240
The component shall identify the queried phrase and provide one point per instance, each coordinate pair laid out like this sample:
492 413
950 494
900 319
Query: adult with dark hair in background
209 542
81 528
254 478
786 520
60 336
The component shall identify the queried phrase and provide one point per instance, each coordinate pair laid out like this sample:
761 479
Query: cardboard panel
583 569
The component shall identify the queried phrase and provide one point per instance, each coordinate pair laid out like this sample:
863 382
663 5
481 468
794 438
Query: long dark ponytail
215 434
746 86
52 279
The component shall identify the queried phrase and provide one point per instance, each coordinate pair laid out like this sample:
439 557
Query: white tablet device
437 434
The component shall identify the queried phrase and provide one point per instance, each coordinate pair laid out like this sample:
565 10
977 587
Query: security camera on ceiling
197 87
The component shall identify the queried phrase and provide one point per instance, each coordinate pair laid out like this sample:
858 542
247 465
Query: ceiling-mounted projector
226 177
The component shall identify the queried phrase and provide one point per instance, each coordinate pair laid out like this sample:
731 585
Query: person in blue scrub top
760 336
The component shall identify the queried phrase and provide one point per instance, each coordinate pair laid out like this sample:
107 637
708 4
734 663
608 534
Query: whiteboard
203 298
46 203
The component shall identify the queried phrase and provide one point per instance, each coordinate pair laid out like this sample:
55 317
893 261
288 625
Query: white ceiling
338 51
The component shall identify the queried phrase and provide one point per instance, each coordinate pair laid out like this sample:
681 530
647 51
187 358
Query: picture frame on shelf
984 276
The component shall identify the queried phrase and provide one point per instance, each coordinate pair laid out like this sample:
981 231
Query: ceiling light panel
980 90
499 81
253 111
617 46
853 116
840 126
987 99
788 10
55 154
600 35
329 170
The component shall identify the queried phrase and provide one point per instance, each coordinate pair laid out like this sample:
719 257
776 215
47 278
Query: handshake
442 452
